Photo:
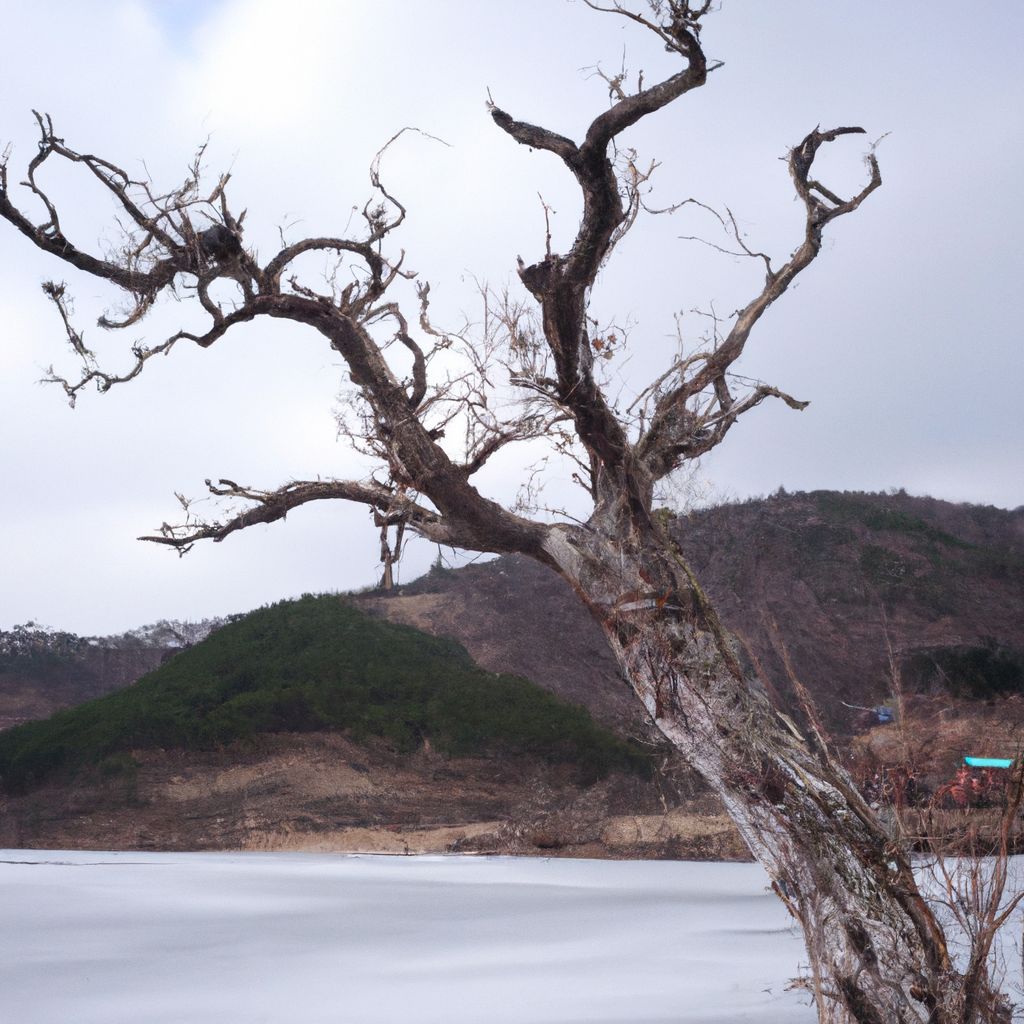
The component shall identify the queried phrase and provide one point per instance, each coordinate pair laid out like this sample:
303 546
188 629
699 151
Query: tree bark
876 951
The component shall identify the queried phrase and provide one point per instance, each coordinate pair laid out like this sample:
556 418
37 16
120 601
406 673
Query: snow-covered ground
155 938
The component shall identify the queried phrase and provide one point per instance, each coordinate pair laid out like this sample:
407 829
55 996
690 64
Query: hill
314 664
43 670
312 725
856 589
832 583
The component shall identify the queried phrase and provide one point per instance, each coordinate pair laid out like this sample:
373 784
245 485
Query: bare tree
432 407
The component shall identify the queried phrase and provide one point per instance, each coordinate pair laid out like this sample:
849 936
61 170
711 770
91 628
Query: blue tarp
989 762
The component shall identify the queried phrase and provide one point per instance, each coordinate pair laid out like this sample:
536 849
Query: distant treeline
973 673
31 648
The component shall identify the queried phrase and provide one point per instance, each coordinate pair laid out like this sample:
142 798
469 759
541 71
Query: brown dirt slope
516 616
320 791
833 581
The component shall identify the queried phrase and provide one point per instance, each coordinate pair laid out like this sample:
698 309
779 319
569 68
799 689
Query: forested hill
311 665
838 581
831 580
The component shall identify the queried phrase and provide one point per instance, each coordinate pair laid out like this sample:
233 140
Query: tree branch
561 283
270 506
49 237
669 438
392 507
680 34
172 248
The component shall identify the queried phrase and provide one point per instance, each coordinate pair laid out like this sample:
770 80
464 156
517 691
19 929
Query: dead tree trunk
876 951
389 556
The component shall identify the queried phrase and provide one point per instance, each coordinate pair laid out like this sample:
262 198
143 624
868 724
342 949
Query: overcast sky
904 335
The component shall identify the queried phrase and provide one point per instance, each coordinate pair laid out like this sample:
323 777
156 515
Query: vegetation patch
973 673
32 650
312 664
844 507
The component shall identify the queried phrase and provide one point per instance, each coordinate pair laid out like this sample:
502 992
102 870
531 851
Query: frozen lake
212 938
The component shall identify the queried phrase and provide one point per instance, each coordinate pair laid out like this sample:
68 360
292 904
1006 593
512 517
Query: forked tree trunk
876 951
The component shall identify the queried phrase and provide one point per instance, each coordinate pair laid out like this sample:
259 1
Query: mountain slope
837 582
830 581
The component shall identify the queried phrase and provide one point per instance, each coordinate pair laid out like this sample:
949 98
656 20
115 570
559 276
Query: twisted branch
670 438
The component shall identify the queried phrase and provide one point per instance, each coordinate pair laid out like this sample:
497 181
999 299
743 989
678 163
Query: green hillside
311 664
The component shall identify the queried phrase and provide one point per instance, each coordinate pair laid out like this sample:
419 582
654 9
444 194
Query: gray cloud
904 334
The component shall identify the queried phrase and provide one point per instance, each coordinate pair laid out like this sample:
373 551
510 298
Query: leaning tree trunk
876 951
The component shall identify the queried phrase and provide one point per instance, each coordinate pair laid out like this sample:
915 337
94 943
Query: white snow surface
205 938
